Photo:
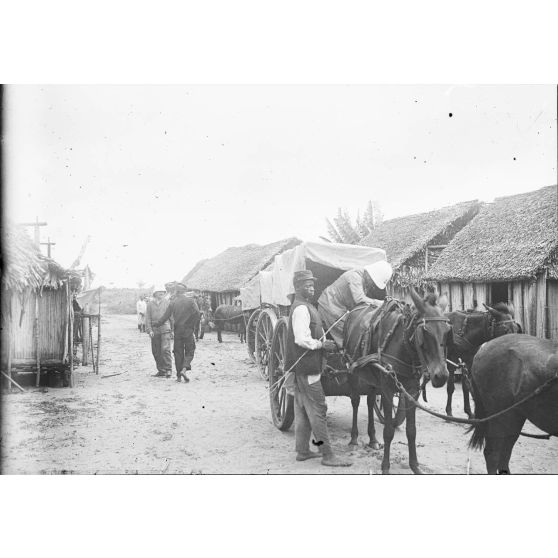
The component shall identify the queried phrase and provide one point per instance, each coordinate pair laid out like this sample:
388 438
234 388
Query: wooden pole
99 333
86 324
37 347
91 345
70 332
12 380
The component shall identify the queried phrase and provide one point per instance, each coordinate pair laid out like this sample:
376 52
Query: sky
162 176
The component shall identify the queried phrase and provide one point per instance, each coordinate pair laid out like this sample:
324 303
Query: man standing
160 335
141 307
354 287
185 313
304 358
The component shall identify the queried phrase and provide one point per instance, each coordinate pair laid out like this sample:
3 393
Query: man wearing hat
304 353
354 287
185 313
160 335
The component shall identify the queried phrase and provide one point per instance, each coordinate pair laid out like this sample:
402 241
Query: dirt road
218 423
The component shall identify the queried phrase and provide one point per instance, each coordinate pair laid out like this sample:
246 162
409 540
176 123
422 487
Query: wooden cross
48 245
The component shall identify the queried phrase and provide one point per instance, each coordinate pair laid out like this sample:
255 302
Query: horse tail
479 430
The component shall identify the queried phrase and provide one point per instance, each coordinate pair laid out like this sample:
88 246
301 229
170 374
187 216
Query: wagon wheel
251 334
264 334
282 404
398 412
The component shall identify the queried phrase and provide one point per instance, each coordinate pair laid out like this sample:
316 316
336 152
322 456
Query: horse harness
414 330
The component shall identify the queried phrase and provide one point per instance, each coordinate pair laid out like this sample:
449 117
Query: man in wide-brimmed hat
305 344
354 287
160 335
185 313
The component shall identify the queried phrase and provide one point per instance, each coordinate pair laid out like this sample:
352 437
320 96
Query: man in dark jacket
304 356
185 313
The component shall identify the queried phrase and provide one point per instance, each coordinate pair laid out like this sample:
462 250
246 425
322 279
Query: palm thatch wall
413 243
509 252
36 309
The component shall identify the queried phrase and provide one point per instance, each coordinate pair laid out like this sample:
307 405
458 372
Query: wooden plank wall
481 294
53 311
530 307
540 318
552 309
456 296
468 296
517 299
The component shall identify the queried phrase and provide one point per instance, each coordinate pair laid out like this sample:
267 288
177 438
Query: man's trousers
161 349
310 416
184 348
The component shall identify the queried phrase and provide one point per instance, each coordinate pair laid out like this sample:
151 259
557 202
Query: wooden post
99 333
85 325
91 345
426 259
518 303
37 344
541 306
530 302
10 348
71 332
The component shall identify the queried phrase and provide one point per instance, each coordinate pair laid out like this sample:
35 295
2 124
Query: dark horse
470 331
410 341
227 313
506 371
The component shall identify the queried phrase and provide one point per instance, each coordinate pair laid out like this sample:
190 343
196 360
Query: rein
390 372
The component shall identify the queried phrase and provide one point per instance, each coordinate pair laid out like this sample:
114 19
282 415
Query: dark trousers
161 349
184 348
310 416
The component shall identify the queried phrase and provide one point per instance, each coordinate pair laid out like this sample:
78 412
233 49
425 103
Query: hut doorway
498 292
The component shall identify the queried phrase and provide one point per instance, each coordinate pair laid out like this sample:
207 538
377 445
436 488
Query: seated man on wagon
354 287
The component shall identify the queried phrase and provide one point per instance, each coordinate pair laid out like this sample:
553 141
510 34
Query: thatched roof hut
36 308
24 265
404 237
508 253
232 269
414 242
513 238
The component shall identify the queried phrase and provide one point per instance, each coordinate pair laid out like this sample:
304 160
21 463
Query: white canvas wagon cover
275 284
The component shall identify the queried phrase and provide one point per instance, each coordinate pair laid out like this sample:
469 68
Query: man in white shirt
305 344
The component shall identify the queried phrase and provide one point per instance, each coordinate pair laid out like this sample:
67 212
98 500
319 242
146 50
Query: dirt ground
218 423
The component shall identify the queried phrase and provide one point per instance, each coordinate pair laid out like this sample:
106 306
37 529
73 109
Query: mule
470 331
505 371
412 342
229 314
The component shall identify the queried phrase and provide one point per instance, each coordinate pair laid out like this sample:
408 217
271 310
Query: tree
343 230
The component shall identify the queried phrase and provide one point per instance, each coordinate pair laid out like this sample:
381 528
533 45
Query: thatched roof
403 237
24 265
233 268
513 238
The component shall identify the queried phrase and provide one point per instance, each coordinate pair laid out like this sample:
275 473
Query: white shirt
302 335
141 306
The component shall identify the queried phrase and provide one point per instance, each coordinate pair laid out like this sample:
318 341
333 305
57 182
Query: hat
304 275
380 272
159 289
180 286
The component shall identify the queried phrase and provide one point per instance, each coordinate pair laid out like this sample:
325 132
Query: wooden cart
266 332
